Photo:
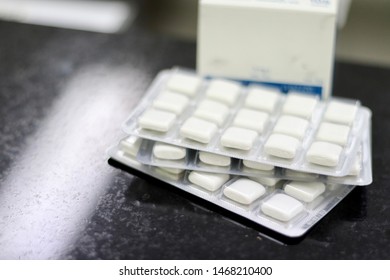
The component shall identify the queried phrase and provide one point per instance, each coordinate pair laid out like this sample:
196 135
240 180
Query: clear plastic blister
359 175
361 171
252 123
290 208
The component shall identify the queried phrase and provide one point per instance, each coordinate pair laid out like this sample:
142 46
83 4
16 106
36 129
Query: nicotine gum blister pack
287 207
256 124
280 160
174 157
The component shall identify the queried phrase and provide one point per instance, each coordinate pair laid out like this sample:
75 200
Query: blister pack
169 156
289 208
253 123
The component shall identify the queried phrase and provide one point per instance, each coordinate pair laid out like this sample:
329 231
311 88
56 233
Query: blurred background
363 37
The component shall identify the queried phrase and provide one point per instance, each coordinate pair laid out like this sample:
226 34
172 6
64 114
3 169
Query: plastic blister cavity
286 207
252 123
359 174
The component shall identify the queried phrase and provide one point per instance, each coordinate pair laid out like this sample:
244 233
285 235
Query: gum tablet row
174 157
288 207
150 154
253 123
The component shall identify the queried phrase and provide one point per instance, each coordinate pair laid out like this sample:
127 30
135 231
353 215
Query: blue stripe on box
317 90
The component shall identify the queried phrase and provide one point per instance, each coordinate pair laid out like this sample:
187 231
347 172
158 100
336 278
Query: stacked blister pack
280 160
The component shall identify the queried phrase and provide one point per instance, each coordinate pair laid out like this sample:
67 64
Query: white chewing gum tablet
257 165
356 166
214 159
208 181
212 111
130 145
339 112
262 99
282 146
198 130
282 207
238 138
157 120
324 153
251 119
334 133
223 91
270 182
301 105
169 175
292 126
304 191
184 83
171 102
244 191
174 171
169 152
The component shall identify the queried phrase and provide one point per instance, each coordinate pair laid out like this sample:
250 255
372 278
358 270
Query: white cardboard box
285 43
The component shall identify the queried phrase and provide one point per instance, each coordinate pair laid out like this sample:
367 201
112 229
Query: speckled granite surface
63 96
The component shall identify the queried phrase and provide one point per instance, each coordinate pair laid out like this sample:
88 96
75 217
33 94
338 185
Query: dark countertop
63 97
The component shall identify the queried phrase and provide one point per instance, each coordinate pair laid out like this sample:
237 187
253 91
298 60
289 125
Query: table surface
63 97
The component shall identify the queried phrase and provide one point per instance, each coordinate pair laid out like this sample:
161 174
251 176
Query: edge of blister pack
298 227
365 176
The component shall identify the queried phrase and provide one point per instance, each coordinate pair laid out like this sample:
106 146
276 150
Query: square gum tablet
171 102
324 153
238 138
187 84
244 191
208 181
198 130
300 105
251 119
283 146
130 145
292 126
341 112
263 99
333 133
156 120
304 191
282 207
169 152
212 111
223 91
214 159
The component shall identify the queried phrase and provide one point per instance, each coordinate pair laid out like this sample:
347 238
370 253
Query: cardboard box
284 43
